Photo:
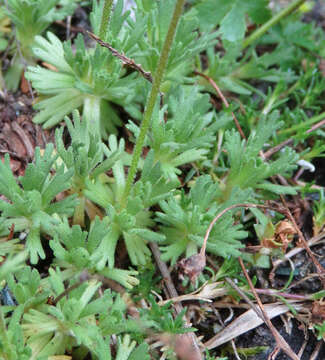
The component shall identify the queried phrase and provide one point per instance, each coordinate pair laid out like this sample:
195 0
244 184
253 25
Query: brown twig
272 292
172 292
315 353
281 343
278 147
245 297
223 99
66 292
195 264
248 205
186 345
75 29
127 61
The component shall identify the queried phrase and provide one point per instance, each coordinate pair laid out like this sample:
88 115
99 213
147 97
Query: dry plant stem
66 292
272 292
275 19
245 297
278 147
313 120
303 346
315 353
306 278
152 98
224 100
235 350
125 60
165 273
68 28
248 205
196 353
281 343
274 353
319 268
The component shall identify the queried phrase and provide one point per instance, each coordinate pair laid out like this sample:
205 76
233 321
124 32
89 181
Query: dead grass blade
248 321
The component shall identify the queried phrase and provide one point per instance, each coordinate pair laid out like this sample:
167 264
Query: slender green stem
275 19
152 98
105 19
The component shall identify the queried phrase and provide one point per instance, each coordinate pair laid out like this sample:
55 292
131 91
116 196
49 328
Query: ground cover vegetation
153 174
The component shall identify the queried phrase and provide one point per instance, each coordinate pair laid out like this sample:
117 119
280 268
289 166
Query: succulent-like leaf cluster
31 18
29 202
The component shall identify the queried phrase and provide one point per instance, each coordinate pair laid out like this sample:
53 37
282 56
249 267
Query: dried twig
278 147
223 99
195 264
315 353
245 297
186 345
281 343
127 61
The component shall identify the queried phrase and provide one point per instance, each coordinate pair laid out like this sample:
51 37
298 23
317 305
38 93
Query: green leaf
230 15
278 189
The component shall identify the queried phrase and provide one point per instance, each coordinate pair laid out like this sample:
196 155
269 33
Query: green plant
4 29
319 213
90 78
184 221
31 18
162 320
133 221
184 48
231 16
79 251
85 156
30 205
69 323
247 169
186 136
320 328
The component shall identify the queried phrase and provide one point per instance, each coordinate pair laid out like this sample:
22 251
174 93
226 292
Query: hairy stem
107 9
152 98
275 19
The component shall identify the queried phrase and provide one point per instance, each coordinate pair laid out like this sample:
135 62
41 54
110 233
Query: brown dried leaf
24 86
192 266
283 235
318 312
